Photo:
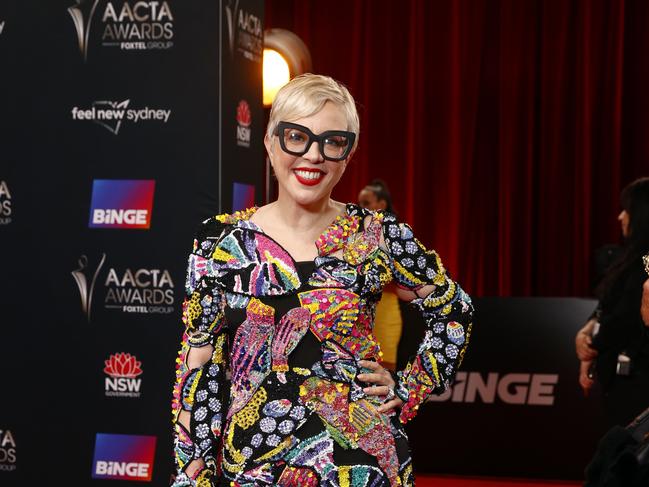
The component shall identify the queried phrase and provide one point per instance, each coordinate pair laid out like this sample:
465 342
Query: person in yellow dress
388 323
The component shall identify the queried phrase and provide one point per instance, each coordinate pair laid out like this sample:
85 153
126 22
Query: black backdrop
516 409
189 84
205 87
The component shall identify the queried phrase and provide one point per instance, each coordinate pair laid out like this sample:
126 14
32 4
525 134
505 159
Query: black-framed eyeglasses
295 139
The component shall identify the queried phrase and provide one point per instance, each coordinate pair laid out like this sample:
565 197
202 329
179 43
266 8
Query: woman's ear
269 147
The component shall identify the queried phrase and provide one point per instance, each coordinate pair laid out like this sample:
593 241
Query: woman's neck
303 217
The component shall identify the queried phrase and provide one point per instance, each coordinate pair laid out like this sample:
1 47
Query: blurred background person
388 323
614 342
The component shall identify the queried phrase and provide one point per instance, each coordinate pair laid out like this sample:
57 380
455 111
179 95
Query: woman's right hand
585 381
644 309
584 342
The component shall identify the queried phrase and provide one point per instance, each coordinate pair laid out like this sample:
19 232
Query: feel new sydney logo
113 114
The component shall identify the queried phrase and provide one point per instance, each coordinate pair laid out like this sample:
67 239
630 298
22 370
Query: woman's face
308 178
624 218
368 199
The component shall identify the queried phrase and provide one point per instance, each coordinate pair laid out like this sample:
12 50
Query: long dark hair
635 201
380 189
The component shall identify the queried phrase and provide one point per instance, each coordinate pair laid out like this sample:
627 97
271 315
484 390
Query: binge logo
243 196
7 451
517 389
244 119
121 203
5 204
123 457
122 370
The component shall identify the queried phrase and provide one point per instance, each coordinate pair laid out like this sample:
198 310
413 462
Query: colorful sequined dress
278 401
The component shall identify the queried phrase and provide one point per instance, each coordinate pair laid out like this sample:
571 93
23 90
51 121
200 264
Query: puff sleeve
201 365
447 312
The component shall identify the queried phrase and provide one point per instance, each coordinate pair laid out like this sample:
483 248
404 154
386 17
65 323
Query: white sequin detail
297 413
396 247
213 386
256 440
214 404
201 395
200 414
286 426
268 425
202 430
273 440
451 351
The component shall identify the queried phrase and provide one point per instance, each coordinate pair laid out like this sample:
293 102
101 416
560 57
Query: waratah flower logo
244 116
123 365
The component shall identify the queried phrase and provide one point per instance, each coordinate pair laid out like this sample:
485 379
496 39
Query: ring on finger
390 395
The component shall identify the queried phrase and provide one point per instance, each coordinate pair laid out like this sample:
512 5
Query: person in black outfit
619 345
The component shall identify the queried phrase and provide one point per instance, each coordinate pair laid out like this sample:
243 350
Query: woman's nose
313 154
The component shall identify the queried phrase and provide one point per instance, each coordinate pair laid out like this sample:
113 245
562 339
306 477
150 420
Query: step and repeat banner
516 408
124 124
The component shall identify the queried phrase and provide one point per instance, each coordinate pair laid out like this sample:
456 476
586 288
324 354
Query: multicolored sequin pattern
235 266
447 311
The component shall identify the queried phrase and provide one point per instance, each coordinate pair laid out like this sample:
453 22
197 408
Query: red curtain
505 128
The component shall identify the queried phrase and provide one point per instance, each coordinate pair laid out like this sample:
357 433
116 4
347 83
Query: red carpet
434 481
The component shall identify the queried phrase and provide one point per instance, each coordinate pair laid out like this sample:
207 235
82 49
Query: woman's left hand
382 385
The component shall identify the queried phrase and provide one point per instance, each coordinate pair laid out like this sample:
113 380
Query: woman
616 338
292 322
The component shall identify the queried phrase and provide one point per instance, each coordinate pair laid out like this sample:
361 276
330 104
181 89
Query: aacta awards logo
123 457
146 291
111 114
245 31
5 204
2 26
121 203
7 451
122 370
127 25
244 119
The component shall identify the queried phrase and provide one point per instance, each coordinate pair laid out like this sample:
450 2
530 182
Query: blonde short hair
305 95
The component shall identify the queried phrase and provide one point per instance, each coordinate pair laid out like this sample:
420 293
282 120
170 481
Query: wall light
285 56
276 75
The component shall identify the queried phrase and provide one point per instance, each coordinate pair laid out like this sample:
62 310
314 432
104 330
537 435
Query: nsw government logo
5 204
112 114
121 203
244 119
123 457
122 370
125 25
7 451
